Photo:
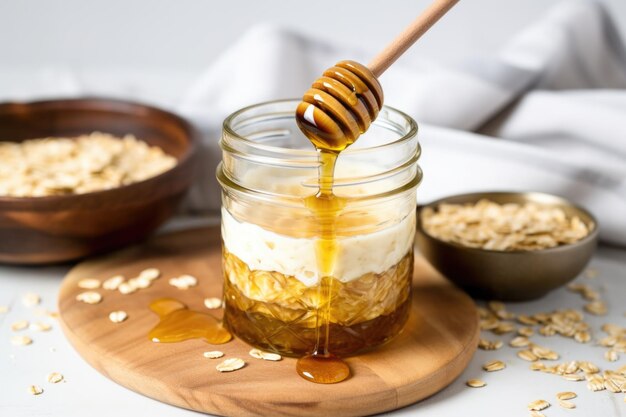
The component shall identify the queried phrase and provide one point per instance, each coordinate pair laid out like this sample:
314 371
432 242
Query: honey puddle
178 323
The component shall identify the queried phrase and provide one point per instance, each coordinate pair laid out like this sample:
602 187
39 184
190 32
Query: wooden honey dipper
343 103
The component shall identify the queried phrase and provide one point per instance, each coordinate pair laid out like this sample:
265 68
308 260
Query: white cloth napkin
548 113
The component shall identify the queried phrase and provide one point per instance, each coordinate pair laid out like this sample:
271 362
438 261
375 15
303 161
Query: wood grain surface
436 345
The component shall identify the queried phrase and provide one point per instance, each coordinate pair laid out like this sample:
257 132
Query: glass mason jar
270 275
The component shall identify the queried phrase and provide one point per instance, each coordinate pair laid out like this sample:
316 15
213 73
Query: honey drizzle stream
321 365
339 107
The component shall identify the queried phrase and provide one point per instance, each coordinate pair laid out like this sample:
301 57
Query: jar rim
227 128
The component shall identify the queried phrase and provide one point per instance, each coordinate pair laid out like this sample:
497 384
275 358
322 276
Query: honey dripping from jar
339 107
178 323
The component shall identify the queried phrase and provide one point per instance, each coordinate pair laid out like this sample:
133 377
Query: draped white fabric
548 113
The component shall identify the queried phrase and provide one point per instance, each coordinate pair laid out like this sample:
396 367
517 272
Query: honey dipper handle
412 33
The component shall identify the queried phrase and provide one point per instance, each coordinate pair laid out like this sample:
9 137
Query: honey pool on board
177 323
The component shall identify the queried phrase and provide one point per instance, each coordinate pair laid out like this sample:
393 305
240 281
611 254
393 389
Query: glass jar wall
271 279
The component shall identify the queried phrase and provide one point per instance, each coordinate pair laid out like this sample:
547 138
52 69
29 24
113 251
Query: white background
189 34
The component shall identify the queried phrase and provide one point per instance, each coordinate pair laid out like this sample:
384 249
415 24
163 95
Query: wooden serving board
436 345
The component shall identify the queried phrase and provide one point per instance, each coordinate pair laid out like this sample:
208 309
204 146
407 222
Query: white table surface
86 392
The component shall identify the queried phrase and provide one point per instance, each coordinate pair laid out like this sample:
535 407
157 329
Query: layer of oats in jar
272 278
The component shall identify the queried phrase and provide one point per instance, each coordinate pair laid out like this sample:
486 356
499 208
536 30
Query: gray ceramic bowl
515 275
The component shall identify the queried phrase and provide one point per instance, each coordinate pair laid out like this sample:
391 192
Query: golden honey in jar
273 285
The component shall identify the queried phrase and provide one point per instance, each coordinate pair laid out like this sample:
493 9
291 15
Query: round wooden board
436 345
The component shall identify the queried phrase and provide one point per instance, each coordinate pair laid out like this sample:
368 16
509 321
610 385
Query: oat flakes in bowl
71 225
507 245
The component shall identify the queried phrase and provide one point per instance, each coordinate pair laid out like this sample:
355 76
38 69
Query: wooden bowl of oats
85 176
507 245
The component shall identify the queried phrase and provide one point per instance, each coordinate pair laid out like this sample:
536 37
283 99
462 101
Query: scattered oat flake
19 325
611 355
503 328
267 356
113 283
140 282
475 383
519 341
35 390
591 273
494 365
567 404
212 303
31 299
566 395
611 385
118 316
527 355
21 340
486 344
597 308
126 288
150 274
582 337
537 414
525 331
40 326
89 297
4 309
86 163
183 282
538 405
595 382
53 314
537 366
89 283
55 378
231 364
214 354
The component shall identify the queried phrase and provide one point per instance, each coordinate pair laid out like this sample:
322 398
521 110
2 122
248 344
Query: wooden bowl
515 275
42 230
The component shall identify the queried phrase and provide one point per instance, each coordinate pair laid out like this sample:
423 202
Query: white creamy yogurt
265 250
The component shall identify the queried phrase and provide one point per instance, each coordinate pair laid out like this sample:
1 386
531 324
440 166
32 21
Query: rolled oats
40 326
113 283
538 405
118 316
503 227
493 366
183 282
231 364
150 273
268 356
19 325
57 166
89 283
89 297
214 354
55 378
212 303
35 390
475 383
566 395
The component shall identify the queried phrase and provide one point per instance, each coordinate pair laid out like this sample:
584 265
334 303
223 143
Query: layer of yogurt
358 255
